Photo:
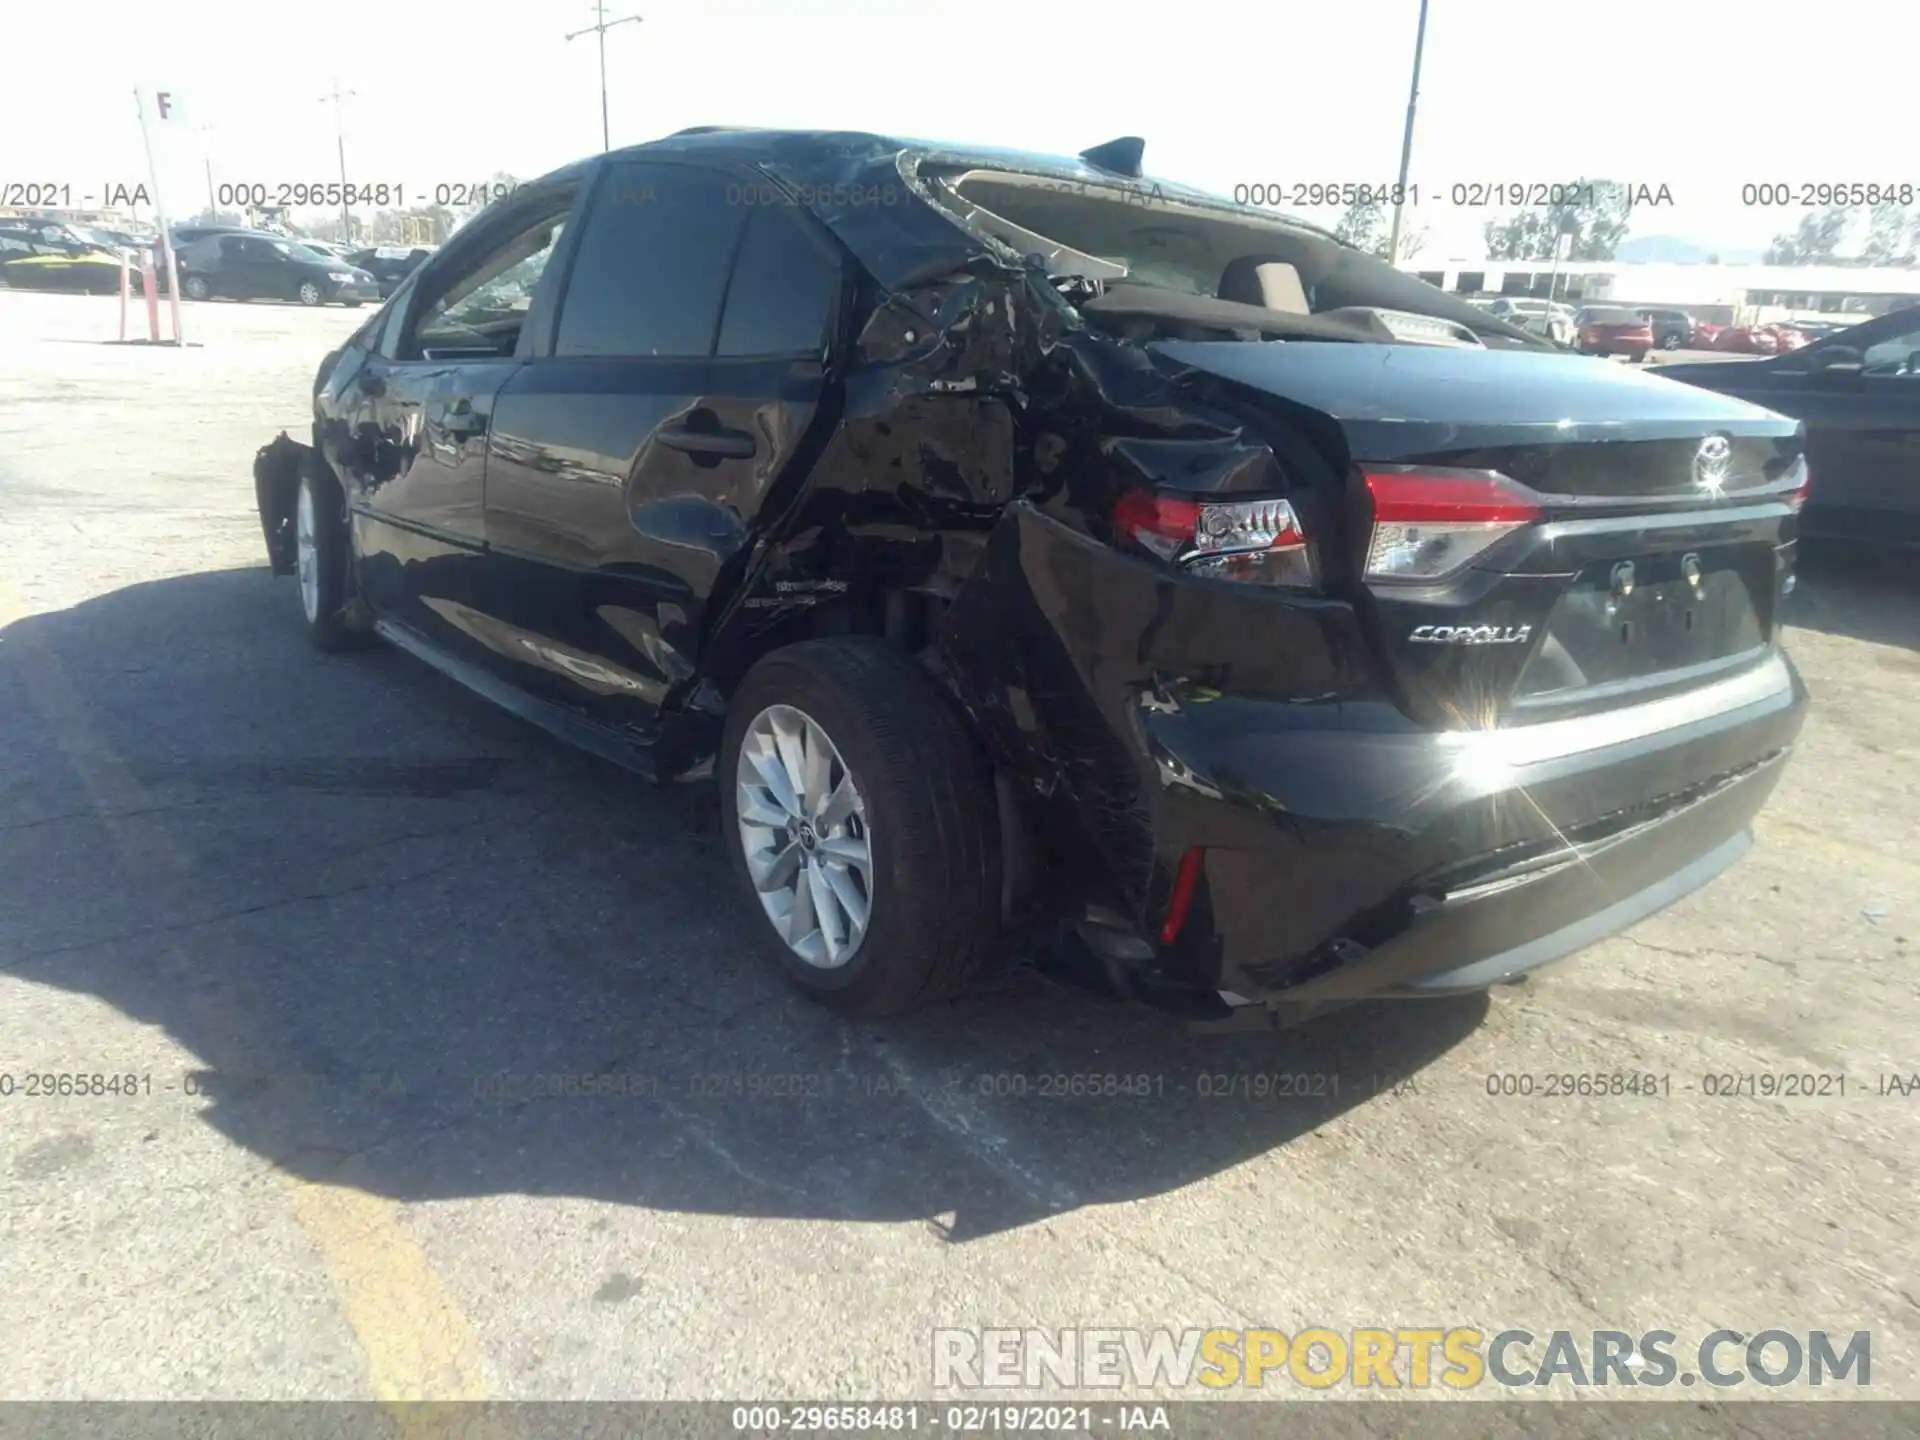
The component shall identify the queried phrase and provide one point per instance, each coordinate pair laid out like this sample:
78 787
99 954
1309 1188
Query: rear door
631 464
409 429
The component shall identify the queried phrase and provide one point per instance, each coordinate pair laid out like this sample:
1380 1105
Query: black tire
310 294
195 287
935 906
1637 357
327 621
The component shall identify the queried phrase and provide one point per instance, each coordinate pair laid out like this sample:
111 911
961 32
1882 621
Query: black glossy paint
609 544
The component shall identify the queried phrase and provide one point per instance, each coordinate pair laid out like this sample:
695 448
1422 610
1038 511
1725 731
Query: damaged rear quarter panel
1082 669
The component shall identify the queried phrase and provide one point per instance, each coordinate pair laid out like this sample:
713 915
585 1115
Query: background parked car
27 236
390 264
50 255
1858 394
1541 317
329 248
243 266
1610 330
1747 340
184 235
1672 329
1786 338
1823 329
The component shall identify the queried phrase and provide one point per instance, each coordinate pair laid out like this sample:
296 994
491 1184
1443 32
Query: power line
600 28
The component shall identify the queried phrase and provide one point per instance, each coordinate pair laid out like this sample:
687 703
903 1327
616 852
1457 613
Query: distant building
1722 293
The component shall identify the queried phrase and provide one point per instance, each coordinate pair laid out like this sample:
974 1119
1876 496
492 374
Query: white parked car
1541 317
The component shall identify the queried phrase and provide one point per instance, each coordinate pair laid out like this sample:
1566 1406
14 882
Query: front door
420 414
249 269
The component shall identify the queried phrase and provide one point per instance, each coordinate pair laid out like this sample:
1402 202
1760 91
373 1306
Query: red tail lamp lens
1185 879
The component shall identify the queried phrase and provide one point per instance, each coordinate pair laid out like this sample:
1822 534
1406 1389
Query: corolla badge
1712 462
1470 634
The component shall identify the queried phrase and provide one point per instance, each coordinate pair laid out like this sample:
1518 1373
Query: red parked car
1609 330
1748 340
1786 338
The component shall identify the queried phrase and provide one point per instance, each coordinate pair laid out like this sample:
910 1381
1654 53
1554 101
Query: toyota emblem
1712 462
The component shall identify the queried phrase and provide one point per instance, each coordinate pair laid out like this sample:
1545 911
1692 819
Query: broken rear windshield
1135 232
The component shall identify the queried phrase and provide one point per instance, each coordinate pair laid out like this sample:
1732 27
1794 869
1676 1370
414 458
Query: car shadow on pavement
1858 592
413 946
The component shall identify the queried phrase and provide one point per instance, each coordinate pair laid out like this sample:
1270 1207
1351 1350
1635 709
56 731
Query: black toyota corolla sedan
1017 539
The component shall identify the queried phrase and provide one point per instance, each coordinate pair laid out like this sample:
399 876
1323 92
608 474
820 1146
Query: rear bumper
1468 859
1344 850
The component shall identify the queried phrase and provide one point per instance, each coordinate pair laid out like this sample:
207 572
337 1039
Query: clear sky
1699 95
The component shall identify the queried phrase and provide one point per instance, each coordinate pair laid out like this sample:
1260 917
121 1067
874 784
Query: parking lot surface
335 924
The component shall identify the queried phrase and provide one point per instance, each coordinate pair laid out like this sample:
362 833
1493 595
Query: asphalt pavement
328 921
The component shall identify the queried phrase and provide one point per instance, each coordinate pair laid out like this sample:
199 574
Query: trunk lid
1643 564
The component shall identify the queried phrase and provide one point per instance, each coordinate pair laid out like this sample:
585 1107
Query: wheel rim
307 550
196 289
805 835
310 294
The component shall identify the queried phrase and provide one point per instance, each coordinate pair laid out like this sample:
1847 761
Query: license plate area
1630 620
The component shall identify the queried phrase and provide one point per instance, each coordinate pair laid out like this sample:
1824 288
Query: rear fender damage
984 435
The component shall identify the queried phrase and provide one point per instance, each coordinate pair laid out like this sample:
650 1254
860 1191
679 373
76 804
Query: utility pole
600 27
1406 143
340 142
206 155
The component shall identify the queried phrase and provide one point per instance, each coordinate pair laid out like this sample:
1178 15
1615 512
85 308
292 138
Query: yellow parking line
418 1345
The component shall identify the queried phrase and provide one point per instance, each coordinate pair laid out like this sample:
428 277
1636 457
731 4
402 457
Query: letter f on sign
164 100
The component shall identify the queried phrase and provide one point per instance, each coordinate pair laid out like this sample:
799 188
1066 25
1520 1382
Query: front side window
481 307
652 265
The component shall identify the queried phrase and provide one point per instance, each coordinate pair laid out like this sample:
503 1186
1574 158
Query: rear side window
652 264
783 291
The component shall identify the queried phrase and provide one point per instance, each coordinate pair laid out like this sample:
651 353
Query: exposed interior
1152 266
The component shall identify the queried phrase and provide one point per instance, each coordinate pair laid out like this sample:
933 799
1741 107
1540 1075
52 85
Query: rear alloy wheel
861 817
806 837
195 287
310 293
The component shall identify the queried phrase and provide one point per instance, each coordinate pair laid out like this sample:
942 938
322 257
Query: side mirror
1839 360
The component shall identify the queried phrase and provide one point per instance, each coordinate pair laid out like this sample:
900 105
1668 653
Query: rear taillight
1429 523
1259 541
1180 898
